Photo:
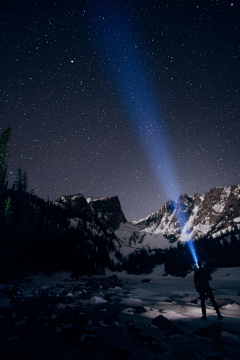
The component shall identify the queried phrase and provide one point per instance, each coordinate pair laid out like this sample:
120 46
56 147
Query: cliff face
188 218
193 217
108 211
76 204
217 210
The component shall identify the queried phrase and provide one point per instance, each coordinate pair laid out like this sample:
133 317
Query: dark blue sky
138 99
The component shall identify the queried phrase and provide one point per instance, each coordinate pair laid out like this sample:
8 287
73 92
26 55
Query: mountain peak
199 215
191 217
76 203
108 210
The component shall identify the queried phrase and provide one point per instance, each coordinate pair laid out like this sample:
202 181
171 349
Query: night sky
138 99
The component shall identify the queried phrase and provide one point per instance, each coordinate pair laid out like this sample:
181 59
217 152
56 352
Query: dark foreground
98 318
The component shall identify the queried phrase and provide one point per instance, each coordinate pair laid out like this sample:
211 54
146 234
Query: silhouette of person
201 281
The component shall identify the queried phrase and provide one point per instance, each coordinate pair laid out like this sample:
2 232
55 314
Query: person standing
201 281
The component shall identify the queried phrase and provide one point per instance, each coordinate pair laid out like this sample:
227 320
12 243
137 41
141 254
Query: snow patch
96 300
132 301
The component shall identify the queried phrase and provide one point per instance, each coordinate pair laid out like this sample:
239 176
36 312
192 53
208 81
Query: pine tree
4 140
5 203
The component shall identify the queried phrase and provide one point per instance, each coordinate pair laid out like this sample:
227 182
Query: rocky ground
99 318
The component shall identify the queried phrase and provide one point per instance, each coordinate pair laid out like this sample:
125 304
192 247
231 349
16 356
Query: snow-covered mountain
216 211
108 211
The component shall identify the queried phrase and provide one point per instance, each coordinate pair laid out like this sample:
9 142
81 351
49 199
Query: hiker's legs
211 297
202 297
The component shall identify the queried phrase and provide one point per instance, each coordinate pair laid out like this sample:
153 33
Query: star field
76 77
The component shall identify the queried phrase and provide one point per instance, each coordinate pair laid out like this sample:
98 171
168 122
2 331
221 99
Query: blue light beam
122 54
123 58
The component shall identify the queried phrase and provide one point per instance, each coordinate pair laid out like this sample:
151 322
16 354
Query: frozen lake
114 317
177 295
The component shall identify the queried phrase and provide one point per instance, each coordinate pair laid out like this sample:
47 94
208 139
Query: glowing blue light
182 220
123 58
192 249
122 55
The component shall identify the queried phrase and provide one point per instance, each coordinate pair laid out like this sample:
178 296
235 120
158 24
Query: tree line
37 235
221 251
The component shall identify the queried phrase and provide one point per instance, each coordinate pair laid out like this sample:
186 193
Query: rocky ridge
217 210
191 217
108 211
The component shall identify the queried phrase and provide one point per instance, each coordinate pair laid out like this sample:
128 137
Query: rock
62 319
111 319
139 339
15 294
88 340
113 278
89 323
210 332
121 354
53 316
149 343
224 302
191 355
81 319
10 313
155 347
20 323
64 292
140 309
132 329
69 336
60 285
195 301
146 280
219 346
96 294
165 324
108 211
12 338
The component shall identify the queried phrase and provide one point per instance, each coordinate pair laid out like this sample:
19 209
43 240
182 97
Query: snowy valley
212 214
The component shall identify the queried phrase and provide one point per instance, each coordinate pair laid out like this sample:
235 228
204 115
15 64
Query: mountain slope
200 215
217 210
108 211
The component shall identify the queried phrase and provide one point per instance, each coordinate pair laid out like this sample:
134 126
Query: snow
223 231
227 192
74 222
132 301
219 207
136 222
174 298
150 240
92 199
230 273
114 259
182 291
96 300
